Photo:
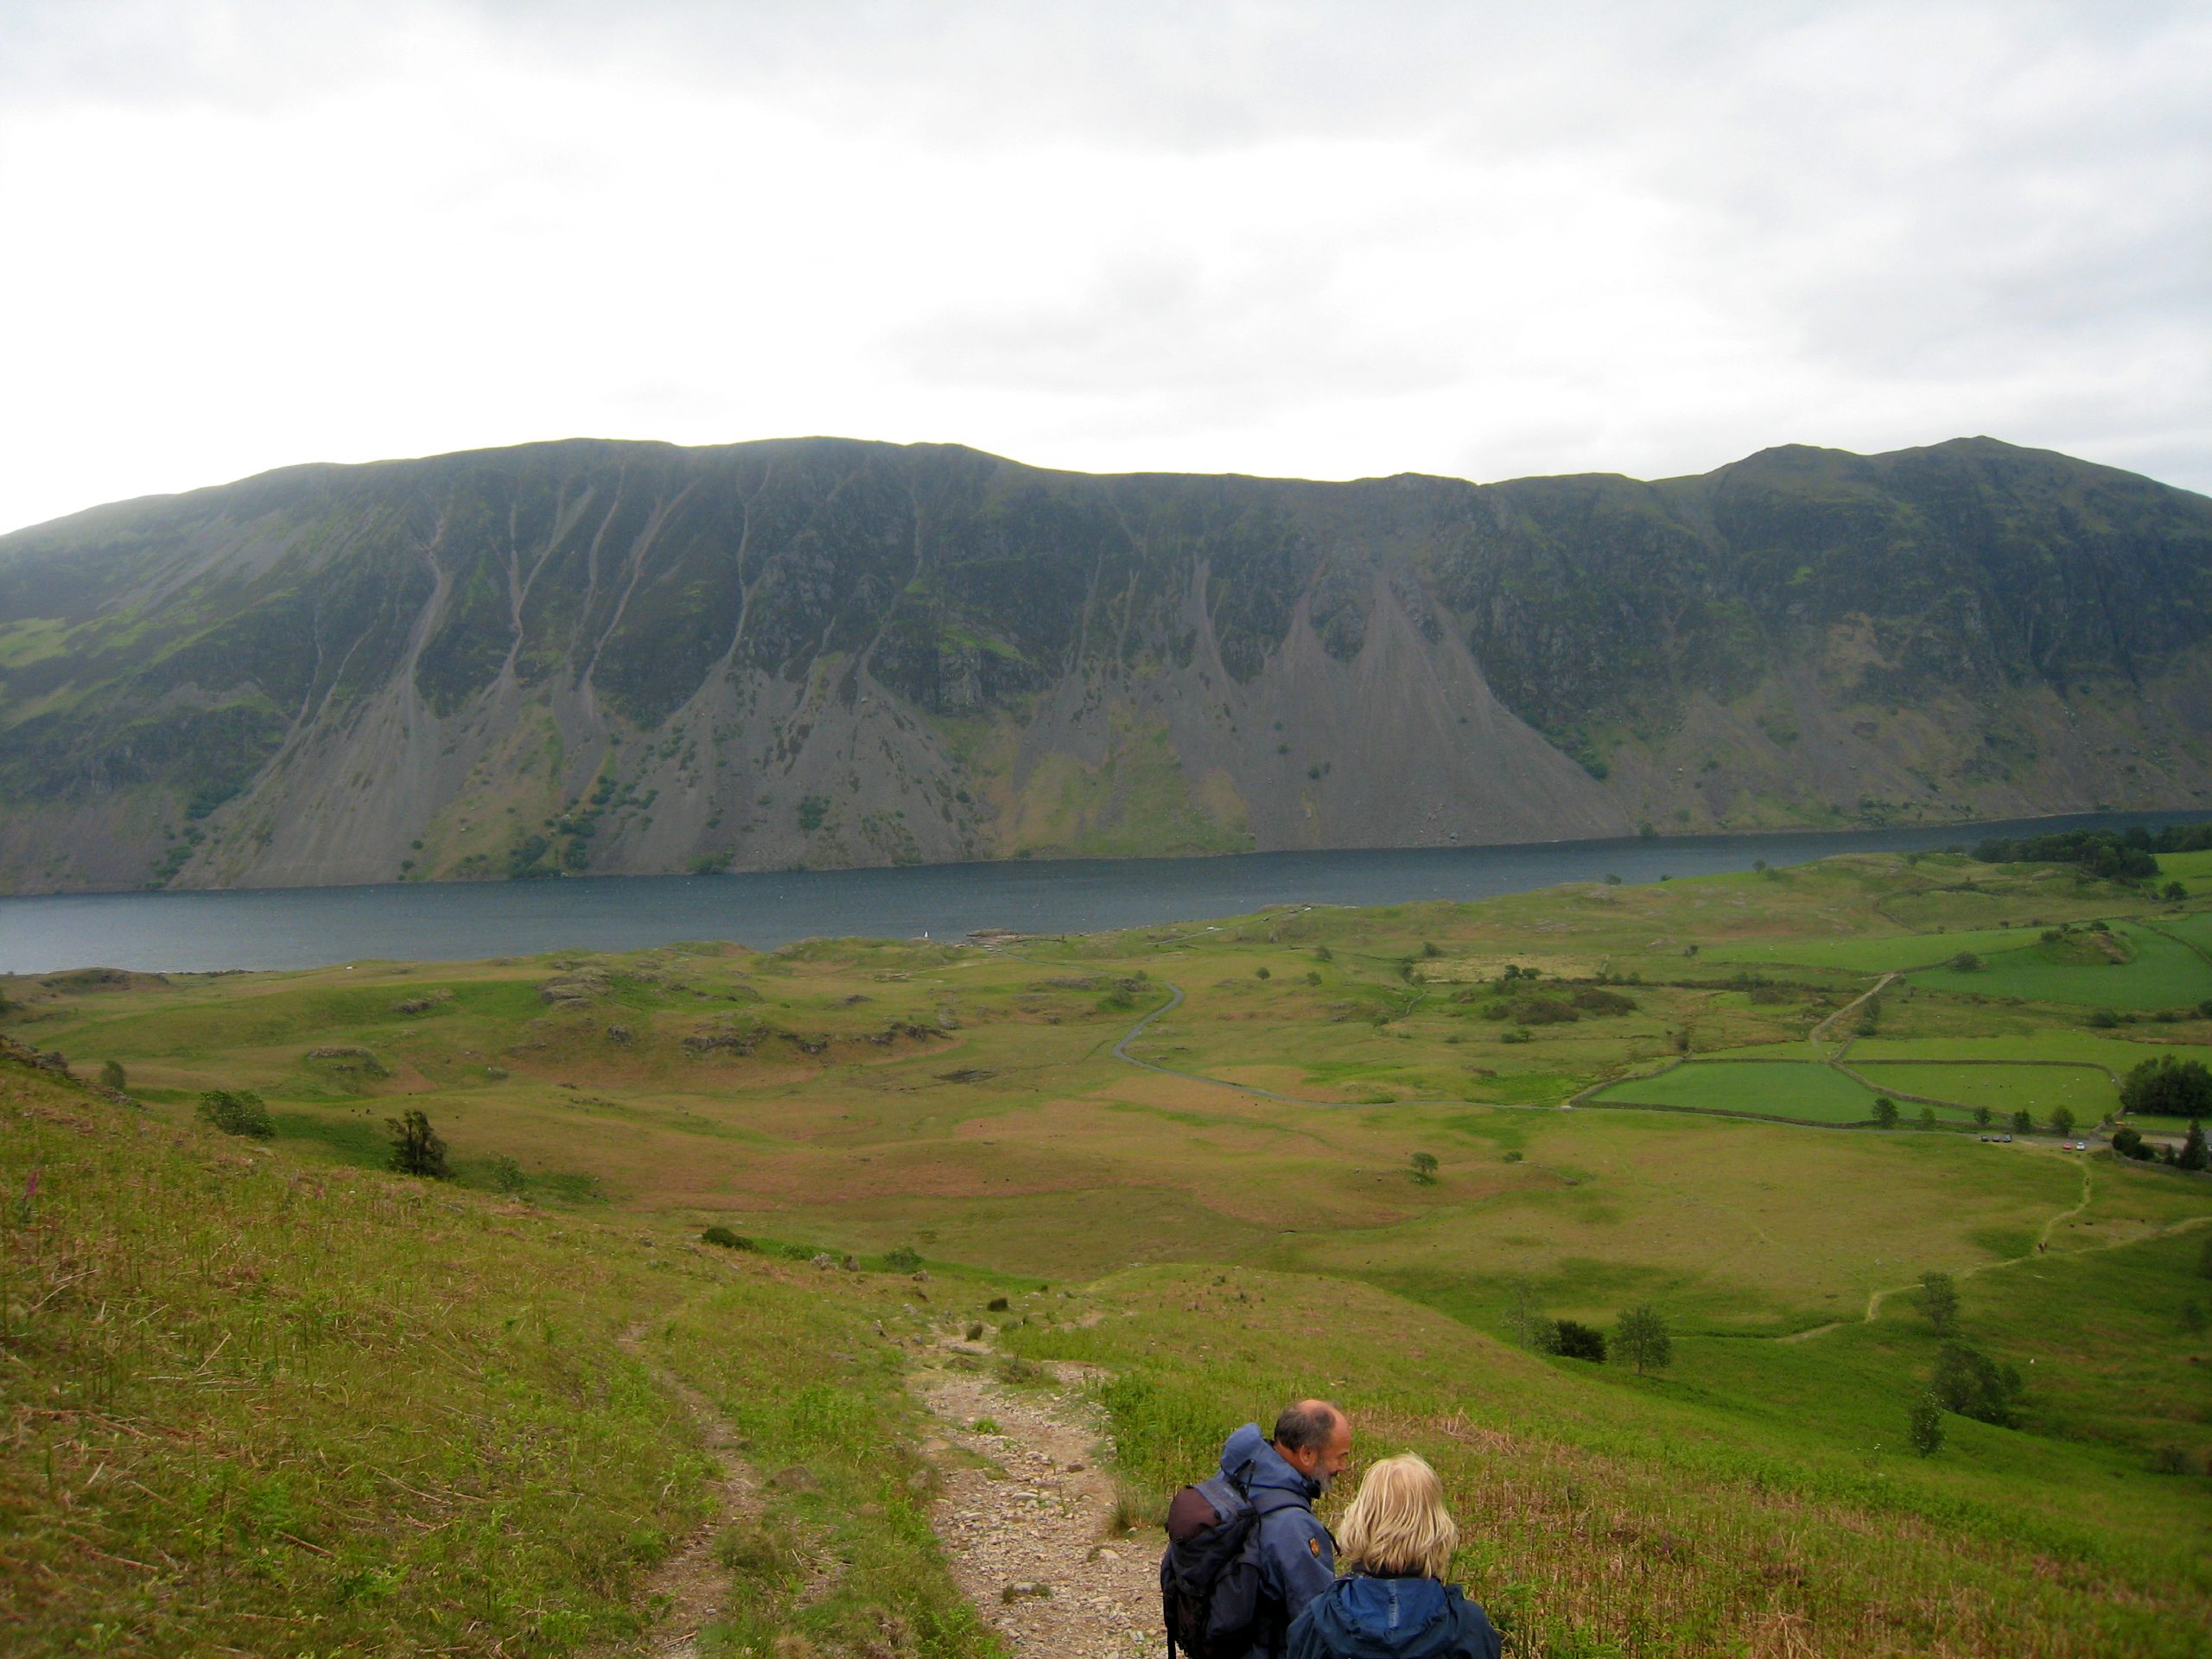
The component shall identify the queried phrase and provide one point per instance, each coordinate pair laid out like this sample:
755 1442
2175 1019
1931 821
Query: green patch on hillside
1800 1092
2037 1090
1877 954
391 1420
2142 969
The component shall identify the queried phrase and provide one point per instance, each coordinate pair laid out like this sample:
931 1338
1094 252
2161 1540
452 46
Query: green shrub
1578 1341
1924 1427
728 1240
235 1111
905 1259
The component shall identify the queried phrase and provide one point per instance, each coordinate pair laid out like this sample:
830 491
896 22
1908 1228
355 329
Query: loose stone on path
1027 1537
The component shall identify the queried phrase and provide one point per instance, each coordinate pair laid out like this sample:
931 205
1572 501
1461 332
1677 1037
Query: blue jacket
1298 1559
1360 1617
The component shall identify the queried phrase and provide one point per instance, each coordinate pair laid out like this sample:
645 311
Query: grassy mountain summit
620 657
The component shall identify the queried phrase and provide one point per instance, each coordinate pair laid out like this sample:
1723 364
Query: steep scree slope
624 657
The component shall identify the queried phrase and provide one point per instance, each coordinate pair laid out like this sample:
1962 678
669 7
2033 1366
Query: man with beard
1297 1558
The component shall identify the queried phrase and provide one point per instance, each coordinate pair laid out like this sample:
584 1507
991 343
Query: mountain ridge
624 656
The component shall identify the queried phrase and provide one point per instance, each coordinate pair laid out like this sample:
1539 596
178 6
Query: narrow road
1028 1511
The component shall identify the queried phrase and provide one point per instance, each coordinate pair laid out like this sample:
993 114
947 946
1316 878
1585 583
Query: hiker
1244 1551
1393 1604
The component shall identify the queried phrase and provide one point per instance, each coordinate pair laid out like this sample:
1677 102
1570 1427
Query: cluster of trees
2126 855
2168 1087
1964 1381
2128 1142
1641 1337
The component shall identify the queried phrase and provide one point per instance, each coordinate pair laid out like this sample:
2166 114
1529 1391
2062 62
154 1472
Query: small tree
506 1175
1966 962
1524 1313
1981 1117
111 1075
2061 1121
2193 1155
1642 1339
1885 1112
1927 1117
1925 1426
416 1149
1263 972
1424 1169
2022 1123
2173 893
1939 1301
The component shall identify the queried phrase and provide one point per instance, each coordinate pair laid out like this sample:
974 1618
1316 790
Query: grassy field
1244 1224
2151 970
2086 1092
1797 1091
2192 870
251 1396
1880 954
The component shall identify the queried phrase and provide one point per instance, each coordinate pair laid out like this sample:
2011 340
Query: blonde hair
1398 1526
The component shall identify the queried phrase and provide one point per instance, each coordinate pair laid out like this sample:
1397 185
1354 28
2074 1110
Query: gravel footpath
1027 1532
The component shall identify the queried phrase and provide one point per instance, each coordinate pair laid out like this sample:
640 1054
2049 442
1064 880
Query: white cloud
1284 238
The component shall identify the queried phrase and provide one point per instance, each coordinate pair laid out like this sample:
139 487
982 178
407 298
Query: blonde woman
1396 1540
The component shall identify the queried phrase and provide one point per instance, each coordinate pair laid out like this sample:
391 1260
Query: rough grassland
1216 1247
254 1404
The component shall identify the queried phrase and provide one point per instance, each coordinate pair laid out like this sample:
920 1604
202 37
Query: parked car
2081 1146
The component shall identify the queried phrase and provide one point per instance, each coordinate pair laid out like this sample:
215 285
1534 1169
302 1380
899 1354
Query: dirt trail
1820 1032
689 1584
1024 1515
1876 1298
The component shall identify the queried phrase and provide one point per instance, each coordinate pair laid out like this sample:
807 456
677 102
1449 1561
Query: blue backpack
1209 1583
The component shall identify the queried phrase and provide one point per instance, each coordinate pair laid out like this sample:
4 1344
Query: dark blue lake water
302 927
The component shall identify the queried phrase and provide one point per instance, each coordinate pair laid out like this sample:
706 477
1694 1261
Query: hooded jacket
1298 1559
1362 1618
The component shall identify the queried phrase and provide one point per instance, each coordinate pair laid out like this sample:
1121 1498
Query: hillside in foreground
260 1389
625 658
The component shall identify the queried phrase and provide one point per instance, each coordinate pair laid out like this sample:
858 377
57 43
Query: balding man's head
1315 1438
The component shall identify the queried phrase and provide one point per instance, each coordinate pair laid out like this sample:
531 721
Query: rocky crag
618 657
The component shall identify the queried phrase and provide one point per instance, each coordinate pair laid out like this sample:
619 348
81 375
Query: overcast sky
1483 240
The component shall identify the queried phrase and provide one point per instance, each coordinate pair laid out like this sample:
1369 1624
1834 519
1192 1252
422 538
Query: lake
303 927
